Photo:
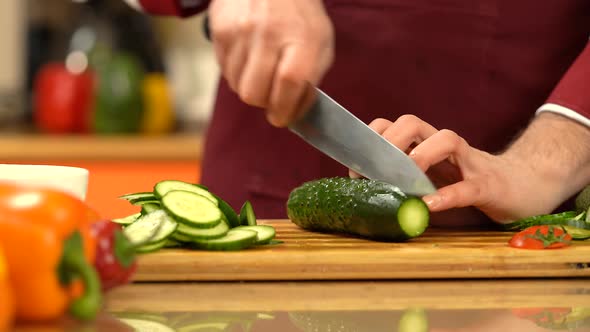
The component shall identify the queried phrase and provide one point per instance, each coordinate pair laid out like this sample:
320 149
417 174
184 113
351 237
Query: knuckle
379 123
246 25
408 120
451 136
290 75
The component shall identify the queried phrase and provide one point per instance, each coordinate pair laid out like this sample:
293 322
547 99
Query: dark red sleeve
180 8
573 91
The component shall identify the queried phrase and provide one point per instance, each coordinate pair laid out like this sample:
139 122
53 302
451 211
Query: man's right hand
269 50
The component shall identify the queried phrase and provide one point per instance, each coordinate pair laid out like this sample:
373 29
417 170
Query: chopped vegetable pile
182 214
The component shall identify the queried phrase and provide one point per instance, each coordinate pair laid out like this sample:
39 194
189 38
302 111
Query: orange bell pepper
49 247
6 299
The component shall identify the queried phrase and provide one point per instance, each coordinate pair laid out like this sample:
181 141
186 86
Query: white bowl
72 180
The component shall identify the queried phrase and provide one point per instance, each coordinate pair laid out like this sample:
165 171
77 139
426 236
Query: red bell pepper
63 100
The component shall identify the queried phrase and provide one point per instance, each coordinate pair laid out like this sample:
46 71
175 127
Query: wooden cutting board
437 254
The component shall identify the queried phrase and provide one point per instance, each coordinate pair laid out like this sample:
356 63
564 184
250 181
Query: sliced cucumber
153 227
232 217
577 233
151 247
163 187
235 239
193 233
150 207
149 201
264 233
171 243
134 198
179 237
247 216
127 220
191 209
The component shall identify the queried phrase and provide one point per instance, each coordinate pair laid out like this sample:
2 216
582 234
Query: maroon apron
480 68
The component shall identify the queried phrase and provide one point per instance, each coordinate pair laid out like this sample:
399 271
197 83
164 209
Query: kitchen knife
336 132
339 134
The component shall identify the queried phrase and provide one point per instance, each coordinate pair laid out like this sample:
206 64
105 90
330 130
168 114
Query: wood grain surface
349 296
437 254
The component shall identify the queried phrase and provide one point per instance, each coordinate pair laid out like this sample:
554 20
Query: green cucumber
370 209
247 216
192 209
150 207
264 233
163 187
195 233
127 220
567 218
153 227
137 197
235 239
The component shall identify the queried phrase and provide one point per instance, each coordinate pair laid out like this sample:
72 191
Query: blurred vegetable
48 247
118 104
115 258
63 99
6 297
158 113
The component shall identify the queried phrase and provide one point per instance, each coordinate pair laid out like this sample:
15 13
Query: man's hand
269 50
548 163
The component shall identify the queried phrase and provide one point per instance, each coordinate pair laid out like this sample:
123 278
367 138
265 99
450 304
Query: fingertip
433 201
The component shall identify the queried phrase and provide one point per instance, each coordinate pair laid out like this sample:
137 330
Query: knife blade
336 132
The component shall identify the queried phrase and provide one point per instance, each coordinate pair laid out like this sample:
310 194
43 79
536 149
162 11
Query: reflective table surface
405 306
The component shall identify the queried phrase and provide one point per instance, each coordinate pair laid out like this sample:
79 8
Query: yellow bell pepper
6 297
158 113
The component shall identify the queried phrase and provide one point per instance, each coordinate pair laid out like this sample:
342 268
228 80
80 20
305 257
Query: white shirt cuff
134 4
564 111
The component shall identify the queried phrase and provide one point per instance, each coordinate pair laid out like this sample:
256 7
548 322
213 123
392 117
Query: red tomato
541 237
63 99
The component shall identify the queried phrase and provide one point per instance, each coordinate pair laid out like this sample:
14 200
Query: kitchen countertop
475 306
24 147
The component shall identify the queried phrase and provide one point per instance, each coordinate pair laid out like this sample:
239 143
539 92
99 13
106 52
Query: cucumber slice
247 216
171 243
235 239
203 233
163 187
151 247
134 198
191 209
148 201
577 233
150 207
179 237
232 217
264 233
151 228
146 325
127 220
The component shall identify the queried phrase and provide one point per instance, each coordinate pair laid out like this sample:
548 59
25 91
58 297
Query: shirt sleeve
180 8
571 97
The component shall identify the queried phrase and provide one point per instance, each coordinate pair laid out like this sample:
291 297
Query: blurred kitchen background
96 84
123 72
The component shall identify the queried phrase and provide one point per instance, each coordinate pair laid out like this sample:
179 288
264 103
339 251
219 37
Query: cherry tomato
541 237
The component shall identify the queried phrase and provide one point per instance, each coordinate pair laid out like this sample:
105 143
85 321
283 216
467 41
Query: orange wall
110 179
